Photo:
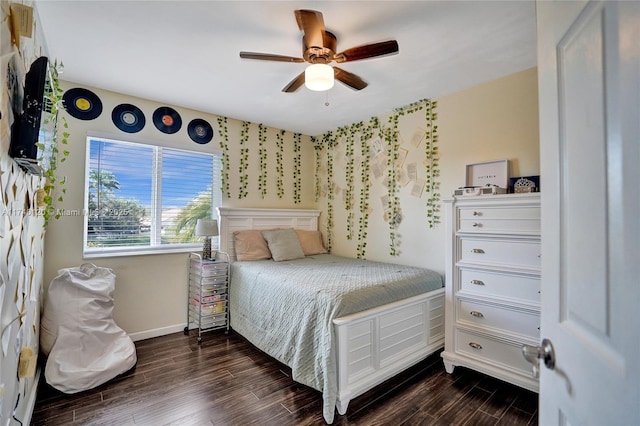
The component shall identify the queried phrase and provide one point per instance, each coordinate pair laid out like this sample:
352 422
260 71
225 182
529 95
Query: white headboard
238 219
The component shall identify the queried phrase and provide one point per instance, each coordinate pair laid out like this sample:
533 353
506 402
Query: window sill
142 251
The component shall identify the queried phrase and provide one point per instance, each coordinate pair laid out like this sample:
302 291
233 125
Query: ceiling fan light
318 77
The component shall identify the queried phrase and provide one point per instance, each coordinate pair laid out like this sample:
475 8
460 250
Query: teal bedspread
286 308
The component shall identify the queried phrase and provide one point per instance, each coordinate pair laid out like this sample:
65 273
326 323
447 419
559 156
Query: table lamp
207 228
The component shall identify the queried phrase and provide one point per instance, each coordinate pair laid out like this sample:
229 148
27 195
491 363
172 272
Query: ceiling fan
319 49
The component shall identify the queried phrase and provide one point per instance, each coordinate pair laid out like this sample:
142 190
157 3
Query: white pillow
283 244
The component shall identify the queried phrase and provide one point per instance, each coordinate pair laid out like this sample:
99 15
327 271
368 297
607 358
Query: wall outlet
27 363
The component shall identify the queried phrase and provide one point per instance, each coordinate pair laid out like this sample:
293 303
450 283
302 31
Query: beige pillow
250 245
311 242
283 244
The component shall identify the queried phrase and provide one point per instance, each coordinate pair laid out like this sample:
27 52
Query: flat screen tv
26 128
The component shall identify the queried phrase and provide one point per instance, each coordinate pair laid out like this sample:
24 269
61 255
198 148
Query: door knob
545 352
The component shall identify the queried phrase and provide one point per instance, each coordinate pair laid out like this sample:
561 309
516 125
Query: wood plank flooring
227 381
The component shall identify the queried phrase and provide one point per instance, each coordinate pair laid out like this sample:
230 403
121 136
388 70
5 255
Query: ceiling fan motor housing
320 54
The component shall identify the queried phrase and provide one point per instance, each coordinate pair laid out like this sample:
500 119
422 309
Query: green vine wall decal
380 156
346 134
393 201
432 183
350 178
297 164
53 152
244 161
262 151
279 167
328 141
224 145
367 133
317 149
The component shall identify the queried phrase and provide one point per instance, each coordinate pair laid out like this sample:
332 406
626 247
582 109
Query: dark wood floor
226 381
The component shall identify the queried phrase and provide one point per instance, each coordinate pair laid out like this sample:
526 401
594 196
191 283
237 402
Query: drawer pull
476 314
475 213
477 250
476 346
477 225
477 282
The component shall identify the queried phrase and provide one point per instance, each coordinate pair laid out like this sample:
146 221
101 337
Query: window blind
144 198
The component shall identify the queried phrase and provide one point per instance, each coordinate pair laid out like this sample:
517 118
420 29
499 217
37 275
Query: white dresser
493 284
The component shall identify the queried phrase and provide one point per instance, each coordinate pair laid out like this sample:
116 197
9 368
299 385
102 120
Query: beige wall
493 121
150 295
497 120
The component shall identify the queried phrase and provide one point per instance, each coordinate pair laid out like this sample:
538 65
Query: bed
342 325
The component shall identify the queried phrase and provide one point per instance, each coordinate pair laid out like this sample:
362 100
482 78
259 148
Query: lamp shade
207 228
318 77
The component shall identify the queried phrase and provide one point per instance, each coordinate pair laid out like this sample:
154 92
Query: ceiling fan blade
294 84
350 79
269 57
311 24
367 51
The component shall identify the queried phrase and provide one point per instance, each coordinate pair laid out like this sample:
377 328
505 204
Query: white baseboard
156 332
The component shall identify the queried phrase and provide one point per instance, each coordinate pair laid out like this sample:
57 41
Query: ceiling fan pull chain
326 101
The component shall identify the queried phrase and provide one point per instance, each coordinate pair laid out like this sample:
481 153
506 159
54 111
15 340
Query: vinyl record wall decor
128 118
167 120
200 131
82 104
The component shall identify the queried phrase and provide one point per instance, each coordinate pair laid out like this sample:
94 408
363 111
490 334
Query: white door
589 94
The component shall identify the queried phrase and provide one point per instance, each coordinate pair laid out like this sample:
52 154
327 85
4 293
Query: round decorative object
200 131
82 104
128 118
167 120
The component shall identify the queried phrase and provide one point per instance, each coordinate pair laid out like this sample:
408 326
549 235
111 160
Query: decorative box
524 184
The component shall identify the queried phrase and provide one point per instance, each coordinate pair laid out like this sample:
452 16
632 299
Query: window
143 199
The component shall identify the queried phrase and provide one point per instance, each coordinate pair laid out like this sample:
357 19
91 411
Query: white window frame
156 223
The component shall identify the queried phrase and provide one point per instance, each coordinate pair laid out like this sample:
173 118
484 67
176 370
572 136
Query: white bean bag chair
85 346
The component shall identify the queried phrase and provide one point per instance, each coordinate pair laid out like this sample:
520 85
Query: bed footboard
377 344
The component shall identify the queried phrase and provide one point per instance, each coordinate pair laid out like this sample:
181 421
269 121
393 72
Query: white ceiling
185 53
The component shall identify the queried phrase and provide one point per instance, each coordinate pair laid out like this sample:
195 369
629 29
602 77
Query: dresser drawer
492 351
500 252
208 269
529 226
499 219
209 280
216 320
208 308
498 318
502 212
499 284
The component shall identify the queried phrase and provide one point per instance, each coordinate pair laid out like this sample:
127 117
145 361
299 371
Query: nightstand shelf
208 294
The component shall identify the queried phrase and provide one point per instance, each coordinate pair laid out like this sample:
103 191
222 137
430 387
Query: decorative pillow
250 245
311 242
283 244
